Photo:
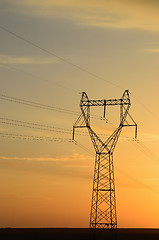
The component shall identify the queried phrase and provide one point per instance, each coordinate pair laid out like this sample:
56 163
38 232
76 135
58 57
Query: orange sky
49 183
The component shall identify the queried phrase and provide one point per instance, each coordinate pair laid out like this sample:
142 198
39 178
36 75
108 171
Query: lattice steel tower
103 206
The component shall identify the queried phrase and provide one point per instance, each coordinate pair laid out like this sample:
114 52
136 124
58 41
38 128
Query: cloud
152 50
6 59
74 158
75 165
151 47
121 14
144 137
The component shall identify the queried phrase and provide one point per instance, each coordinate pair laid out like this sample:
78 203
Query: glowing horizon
45 181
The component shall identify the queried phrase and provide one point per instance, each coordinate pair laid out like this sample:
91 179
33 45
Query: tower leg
103 207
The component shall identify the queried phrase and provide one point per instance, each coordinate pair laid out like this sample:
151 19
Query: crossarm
104 102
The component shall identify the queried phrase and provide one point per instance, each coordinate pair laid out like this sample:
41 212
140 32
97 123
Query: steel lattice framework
103 206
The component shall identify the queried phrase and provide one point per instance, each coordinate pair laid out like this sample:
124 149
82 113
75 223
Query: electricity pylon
103 206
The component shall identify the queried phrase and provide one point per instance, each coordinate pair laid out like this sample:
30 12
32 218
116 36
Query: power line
73 90
38 77
67 140
39 105
33 126
143 148
35 104
39 126
44 127
70 63
33 138
59 57
52 108
84 148
146 151
145 107
51 139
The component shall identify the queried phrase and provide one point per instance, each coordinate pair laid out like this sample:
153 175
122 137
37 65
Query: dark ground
78 234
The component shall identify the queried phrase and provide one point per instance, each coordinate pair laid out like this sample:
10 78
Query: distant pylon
103 206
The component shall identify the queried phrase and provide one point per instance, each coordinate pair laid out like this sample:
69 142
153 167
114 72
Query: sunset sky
50 52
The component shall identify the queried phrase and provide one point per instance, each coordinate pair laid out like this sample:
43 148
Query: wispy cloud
152 50
144 137
74 165
74 159
6 59
150 47
122 14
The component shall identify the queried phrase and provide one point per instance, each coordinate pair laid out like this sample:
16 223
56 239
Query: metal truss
103 206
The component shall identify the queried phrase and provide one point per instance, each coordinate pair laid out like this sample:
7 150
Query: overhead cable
39 78
39 105
70 63
57 56
33 138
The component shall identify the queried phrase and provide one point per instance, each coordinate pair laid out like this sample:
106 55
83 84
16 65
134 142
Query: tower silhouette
103 205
